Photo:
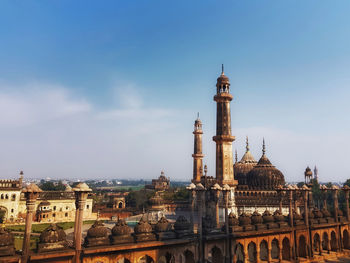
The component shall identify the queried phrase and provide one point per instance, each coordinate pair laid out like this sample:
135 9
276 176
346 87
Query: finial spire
247 145
236 156
222 69
197 115
264 149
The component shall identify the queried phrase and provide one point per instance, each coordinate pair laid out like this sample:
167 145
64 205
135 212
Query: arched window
252 252
239 252
275 250
285 249
13 198
346 240
334 245
189 257
302 247
325 241
216 255
264 251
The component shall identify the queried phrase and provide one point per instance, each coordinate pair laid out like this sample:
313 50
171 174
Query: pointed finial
247 144
264 149
236 156
222 69
197 115
205 169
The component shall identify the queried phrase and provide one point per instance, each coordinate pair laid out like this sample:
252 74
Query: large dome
264 175
244 166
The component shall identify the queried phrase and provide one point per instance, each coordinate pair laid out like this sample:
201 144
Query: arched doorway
334 245
346 240
146 259
264 251
239 253
316 246
120 205
123 260
285 249
325 241
275 249
189 257
302 247
252 252
216 255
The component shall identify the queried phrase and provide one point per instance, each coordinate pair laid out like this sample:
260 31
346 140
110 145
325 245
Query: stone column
193 198
291 208
31 193
200 197
336 207
346 190
306 210
226 199
217 219
81 192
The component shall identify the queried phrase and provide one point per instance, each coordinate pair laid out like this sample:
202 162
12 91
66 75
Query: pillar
193 198
226 197
290 208
81 192
31 193
217 219
347 205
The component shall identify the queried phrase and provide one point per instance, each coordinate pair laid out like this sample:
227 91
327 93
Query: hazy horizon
90 91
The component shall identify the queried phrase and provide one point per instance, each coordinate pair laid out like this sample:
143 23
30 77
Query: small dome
121 228
143 227
325 212
6 237
97 230
317 213
156 200
232 220
244 219
308 172
297 216
222 80
277 215
44 203
52 234
256 218
163 225
182 224
268 217
244 166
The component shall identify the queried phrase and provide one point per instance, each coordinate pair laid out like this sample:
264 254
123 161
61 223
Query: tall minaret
223 138
197 153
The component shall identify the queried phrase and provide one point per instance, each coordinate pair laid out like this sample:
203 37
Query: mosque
246 213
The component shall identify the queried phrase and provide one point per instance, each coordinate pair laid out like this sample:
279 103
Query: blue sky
111 90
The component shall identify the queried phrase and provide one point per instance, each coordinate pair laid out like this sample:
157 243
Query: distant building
160 184
51 206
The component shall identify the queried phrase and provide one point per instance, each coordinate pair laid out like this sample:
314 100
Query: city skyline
91 91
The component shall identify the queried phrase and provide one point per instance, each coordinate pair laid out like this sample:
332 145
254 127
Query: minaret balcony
224 138
223 97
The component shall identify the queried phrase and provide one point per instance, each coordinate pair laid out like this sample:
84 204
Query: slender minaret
197 153
223 138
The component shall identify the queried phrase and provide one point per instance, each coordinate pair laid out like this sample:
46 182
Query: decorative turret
308 176
6 242
164 230
97 235
143 231
182 227
52 238
121 233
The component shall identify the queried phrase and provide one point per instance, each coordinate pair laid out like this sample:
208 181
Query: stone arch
325 241
275 249
239 252
189 257
316 245
13 198
286 249
145 259
334 245
252 254
302 246
264 250
120 204
346 241
216 255
123 260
